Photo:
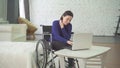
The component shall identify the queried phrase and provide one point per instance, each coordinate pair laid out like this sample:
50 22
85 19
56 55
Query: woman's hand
61 25
69 42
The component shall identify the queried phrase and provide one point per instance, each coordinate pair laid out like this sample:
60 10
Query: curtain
24 9
12 11
27 11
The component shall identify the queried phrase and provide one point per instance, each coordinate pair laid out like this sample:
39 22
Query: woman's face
67 19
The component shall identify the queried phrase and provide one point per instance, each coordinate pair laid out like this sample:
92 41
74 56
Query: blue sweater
62 35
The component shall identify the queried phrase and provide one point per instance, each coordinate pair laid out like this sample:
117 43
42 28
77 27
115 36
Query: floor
113 56
106 39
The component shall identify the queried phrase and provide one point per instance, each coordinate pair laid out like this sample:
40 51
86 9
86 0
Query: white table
17 54
82 54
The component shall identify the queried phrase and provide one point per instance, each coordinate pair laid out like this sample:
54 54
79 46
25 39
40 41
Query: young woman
61 34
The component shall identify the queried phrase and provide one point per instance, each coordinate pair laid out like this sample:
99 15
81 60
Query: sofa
13 32
18 54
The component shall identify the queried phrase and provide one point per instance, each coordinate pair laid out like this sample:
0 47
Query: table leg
62 62
82 63
103 57
57 62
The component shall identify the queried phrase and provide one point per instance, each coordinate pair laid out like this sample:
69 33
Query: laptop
82 41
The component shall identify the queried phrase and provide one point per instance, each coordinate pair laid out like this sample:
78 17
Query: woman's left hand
69 42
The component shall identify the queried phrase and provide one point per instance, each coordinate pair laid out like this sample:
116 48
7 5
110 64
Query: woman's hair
66 13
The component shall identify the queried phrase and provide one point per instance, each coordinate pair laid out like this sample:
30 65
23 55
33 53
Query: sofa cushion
13 32
5 28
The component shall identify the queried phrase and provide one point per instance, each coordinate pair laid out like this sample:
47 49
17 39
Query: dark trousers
56 45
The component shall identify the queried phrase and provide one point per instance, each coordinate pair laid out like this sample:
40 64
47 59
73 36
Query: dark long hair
68 12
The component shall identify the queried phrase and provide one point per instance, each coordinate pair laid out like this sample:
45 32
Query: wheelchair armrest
72 32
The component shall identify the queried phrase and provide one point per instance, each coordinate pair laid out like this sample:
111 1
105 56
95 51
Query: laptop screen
82 41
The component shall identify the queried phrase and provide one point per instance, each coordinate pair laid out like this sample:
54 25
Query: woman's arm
67 31
56 32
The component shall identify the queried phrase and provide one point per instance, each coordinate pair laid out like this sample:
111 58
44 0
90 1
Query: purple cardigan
62 35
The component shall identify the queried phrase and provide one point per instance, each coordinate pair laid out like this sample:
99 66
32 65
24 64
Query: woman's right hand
61 25
69 42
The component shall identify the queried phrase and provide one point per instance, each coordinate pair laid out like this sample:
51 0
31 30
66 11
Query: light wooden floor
113 56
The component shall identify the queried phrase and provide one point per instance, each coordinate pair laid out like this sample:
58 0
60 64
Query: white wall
97 16
3 9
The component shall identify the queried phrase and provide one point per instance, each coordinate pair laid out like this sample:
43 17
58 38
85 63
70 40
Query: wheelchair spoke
42 55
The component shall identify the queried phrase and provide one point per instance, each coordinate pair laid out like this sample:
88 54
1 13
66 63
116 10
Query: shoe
70 67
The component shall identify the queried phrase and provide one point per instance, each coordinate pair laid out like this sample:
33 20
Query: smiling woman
61 34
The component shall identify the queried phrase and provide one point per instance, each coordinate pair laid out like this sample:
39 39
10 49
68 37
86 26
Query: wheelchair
43 59
44 53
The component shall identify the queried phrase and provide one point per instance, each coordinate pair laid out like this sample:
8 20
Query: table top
84 54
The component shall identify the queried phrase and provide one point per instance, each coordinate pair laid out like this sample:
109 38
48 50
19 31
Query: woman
61 34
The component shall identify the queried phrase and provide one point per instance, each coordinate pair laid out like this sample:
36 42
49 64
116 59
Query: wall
3 9
96 16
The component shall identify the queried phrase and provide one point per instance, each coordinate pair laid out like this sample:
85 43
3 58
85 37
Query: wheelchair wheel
41 55
52 65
